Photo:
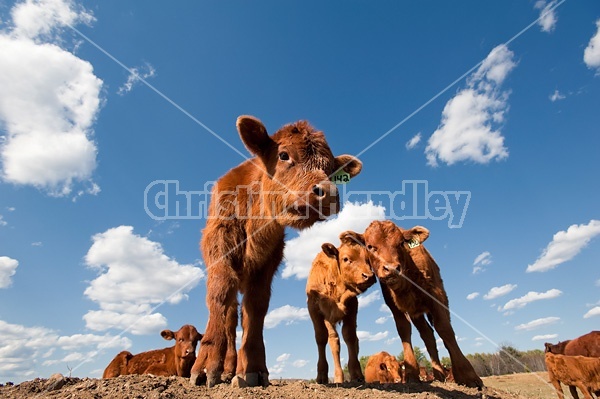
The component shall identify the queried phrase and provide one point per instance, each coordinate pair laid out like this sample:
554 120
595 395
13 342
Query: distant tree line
507 360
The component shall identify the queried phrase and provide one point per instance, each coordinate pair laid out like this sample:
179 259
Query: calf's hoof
264 379
238 382
227 377
250 380
197 379
469 381
212 379
322 379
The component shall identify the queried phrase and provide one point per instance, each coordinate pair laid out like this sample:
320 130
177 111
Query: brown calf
336 277
449 375
586 345
285 184
384 368
118 366
175 360
425 375
412 287
579 371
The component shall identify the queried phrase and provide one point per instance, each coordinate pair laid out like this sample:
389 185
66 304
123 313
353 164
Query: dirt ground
529 385
150 387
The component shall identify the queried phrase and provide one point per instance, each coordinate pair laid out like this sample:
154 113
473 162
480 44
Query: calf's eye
284 156
345 259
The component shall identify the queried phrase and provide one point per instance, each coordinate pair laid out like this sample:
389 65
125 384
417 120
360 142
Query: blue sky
481 120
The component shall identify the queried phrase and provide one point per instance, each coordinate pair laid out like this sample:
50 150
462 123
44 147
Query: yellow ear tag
340 177
413 243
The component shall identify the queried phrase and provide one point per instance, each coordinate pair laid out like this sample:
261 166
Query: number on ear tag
414 242
341 177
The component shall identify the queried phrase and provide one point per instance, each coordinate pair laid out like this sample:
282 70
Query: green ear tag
341 177
413 243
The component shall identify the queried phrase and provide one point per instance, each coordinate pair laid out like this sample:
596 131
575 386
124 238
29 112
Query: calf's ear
254 135
330 250
167 334
382 366
348 164
351 237
418 232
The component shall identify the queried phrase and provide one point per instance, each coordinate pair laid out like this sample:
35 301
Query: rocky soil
151 387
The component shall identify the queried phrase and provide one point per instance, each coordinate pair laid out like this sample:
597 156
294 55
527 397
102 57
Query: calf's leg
426 333
321 339
573 390
462 369
334 344
558 388
403 326
252 362
231 354
221 291
351 339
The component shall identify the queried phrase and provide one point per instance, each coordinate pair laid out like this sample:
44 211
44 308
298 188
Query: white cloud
537 323
135 275
410 144
367 336
366 300
35 18
300 251
288 314
101 341
545 337
2 221
531 296
591 54
8 268
48 122
598 283
548 18
381 320
283 357
471 120
384 308
135 323
137 74
472 295
23 349
300 363
592 312
36 244
565 246
483 259
71 357
496 292
556 96
279 367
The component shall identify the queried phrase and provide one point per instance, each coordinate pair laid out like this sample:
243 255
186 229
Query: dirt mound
151 387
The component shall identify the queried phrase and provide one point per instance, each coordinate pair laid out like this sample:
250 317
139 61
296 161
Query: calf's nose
391 269
318 191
